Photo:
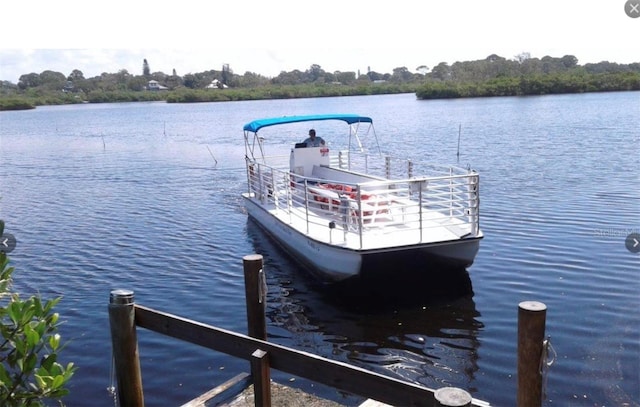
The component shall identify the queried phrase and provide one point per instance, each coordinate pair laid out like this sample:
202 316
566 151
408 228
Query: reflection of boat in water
344 213
425 334
431 345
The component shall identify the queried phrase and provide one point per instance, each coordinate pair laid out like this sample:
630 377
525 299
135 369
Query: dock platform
238 392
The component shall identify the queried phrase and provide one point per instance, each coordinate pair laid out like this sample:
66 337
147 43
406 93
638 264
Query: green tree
401 74
251 80
530 66
374 76
52 80
315 74
346 78
146 71
173 81
30 372
442 71
289 78
30 80
137 83
569 61
227 73
75 75
523 56
423 69
189 81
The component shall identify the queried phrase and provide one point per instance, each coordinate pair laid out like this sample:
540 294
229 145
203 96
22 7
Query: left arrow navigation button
7 243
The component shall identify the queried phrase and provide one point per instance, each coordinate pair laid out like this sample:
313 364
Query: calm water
147 197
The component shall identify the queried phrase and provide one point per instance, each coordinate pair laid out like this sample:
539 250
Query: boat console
303 159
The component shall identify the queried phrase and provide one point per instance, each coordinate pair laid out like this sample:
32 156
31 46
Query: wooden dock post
125 348
255 295
261 375
531 327
452 397
255 288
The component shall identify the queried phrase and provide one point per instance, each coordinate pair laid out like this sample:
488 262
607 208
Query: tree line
492 76
497 76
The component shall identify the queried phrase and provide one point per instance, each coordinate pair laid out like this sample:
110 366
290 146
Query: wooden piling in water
255 295
125 348
531 327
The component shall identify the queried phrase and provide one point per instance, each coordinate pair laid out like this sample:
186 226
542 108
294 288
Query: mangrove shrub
30 373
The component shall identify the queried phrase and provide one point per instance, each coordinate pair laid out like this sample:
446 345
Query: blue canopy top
256 125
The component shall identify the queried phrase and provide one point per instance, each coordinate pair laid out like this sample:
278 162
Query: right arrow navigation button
633 242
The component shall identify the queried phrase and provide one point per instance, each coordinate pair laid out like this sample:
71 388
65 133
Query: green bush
30 372
16 104
533 84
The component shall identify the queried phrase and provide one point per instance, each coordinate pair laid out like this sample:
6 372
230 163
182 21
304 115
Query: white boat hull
335 263
331 262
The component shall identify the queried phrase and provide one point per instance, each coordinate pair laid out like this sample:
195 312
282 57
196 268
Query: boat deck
397 225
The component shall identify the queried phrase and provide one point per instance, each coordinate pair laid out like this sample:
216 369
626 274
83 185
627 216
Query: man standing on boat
313 141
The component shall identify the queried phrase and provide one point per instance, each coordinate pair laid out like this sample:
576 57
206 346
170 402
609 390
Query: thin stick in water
458 153
214 158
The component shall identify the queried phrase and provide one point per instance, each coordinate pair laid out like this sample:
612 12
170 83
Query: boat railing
426 205
390 167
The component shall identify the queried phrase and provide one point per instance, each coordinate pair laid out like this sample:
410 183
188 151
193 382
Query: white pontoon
342 213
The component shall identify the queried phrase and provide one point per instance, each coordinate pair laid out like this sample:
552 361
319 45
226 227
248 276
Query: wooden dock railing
125 316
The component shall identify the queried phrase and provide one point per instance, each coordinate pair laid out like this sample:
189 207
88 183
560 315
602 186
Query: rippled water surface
146 196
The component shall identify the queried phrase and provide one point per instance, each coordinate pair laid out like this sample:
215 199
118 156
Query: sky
268 37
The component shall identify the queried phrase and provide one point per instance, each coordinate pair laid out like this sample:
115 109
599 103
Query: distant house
68 87
216 84
155 85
